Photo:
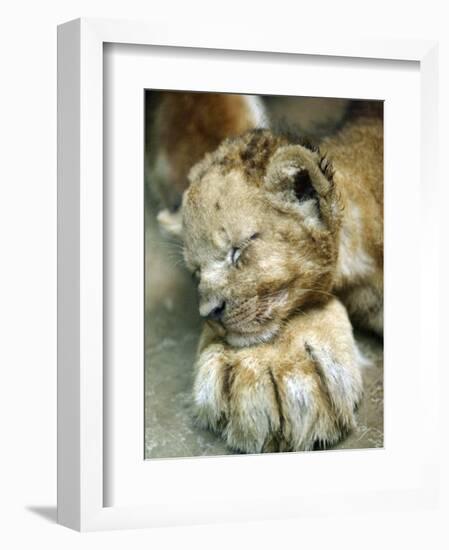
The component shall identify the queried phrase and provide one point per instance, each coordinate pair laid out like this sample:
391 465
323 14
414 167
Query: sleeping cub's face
260 227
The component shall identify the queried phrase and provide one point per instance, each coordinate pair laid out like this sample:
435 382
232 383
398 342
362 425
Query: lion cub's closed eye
236 251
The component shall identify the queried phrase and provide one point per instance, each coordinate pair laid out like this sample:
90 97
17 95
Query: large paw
263 403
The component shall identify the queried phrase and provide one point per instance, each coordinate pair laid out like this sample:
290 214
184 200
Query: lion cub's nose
216 313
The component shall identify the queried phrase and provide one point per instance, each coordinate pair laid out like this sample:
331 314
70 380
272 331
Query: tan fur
290 394
333 244
279 371
357 158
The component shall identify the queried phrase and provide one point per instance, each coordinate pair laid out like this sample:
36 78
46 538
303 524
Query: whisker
319 291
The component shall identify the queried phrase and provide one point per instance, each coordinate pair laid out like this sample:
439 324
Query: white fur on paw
299 410
208 400
343 383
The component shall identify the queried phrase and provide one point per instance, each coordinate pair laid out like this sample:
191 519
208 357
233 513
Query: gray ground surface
172 330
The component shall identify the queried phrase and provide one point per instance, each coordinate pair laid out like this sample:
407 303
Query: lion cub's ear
300 180
171 222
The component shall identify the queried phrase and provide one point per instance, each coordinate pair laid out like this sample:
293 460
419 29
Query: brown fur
280 370
187 125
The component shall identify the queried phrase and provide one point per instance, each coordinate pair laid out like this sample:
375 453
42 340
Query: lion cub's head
260 225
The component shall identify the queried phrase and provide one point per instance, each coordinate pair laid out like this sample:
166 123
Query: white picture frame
82 475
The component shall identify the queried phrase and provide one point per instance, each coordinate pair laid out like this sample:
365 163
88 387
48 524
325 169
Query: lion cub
273 231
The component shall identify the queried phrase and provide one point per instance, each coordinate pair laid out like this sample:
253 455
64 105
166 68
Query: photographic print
263 274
